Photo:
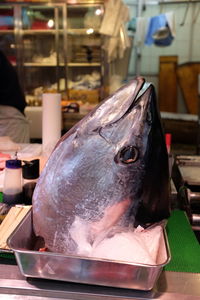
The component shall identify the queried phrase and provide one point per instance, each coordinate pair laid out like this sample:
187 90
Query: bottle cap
168 140
30 170
13 163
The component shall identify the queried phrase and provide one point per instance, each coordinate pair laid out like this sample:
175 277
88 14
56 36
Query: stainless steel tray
48 265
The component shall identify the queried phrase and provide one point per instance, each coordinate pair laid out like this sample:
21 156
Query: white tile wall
186 44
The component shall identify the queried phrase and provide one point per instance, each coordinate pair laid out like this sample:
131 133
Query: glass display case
7 34
43 51
85 55
56 47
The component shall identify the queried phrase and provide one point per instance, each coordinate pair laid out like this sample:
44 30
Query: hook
195 17
161 6
185 14
144 6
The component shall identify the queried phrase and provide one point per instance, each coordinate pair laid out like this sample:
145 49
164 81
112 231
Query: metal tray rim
84 258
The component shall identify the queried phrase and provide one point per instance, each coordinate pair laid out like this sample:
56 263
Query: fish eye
128 155
149 118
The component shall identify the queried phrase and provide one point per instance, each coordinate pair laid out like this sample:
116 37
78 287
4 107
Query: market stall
73 262
112 212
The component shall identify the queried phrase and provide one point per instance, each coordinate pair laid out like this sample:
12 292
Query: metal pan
48 265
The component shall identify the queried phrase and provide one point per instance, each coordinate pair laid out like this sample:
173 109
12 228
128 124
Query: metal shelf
71 64
6 31
81 31
33 39
71 31
39 31
36 64
155 2
86 64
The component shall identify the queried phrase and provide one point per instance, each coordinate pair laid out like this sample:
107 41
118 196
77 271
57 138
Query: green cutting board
184 247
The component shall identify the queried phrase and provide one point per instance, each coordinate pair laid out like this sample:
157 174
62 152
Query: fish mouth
131 115
111 110
125 100
139 99
141 92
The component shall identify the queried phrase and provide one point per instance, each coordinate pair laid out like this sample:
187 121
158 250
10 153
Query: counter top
180 279
171 285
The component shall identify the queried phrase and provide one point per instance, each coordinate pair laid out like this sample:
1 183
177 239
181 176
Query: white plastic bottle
12 188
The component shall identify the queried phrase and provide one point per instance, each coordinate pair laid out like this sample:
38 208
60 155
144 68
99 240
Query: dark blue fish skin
110 169
155 204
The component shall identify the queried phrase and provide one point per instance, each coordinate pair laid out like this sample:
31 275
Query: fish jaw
111 217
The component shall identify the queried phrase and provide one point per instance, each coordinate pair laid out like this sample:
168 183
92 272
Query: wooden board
167 89
187 75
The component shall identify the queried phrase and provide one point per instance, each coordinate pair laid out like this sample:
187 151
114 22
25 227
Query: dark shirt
11 93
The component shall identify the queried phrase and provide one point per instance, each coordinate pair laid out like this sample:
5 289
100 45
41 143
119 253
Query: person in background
13 122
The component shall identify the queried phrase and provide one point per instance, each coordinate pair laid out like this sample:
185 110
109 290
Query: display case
85 55
56 47
7 33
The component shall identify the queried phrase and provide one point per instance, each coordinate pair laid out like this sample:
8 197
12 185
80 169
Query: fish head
99 170
134 141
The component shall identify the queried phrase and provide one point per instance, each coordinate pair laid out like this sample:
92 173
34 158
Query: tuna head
110 168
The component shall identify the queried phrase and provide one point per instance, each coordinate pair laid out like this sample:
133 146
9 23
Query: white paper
51 121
